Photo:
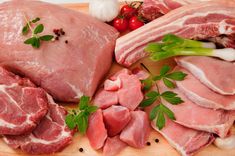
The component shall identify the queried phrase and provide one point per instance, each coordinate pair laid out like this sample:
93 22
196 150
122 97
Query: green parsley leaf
147 84
92 109
46 38
83 103
152 97
25 29
30 40
153 113
39 28
178 76
69 120
82 122
171 97
165 69
155 78
35 20
168 83
160 122
168 112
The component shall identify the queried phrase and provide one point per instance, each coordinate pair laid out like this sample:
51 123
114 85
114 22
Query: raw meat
113 146
129 93
202 95
205 20
193 116
115 119
50 136
137 131
152 9
218 75
187 141
103 99
96 131
66 71
22 105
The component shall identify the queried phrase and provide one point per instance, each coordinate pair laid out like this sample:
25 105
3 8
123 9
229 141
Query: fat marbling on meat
66 71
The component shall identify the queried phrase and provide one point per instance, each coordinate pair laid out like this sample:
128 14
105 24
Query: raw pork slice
202 95
194 116
22 105
203 20
50 136
137 131
113 146
96 131
218 75
187 141
115 119
66 71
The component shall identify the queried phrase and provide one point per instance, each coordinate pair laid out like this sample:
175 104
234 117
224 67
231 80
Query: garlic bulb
225 143
104 10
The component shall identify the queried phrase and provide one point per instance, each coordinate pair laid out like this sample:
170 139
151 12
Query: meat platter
157 145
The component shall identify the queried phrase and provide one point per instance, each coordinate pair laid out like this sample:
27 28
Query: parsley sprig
35 39
79 117
160 111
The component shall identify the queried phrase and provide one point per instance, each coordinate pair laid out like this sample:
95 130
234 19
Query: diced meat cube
96 131
113 146
112 85
137 131
140 74
115 119
130 95
104 99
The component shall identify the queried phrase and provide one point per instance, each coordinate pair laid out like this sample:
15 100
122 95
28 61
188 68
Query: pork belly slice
194 116
202 95
216 74
113 146
96 131
115 119
51 134
192 21
137 131
66 71
22 105
185 140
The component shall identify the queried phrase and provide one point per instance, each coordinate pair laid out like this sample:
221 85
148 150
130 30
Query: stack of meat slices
118 122
29 119
208 93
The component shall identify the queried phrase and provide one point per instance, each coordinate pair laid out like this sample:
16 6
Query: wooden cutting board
156 149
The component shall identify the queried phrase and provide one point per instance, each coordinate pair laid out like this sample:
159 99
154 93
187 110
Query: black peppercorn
80 149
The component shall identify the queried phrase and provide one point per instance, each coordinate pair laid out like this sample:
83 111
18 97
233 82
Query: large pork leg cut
205 20
194 116
218 75
66 71
187 141
202 95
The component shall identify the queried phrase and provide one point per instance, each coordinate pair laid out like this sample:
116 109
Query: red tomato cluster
128 18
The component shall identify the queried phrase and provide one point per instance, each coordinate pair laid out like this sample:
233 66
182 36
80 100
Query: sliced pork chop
191 21
22 105
50 136
202 95
185 140
200 118
66 71
218 75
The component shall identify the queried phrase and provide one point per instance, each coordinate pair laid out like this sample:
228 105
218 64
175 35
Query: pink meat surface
66 71
103 99
113 146
218 75
51 134
200 118
185 140
202 95
204 20
22 105
137 131
96 131
115 119
129 93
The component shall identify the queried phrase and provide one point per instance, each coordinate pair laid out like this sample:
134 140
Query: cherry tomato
121 24
128 11
135 22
